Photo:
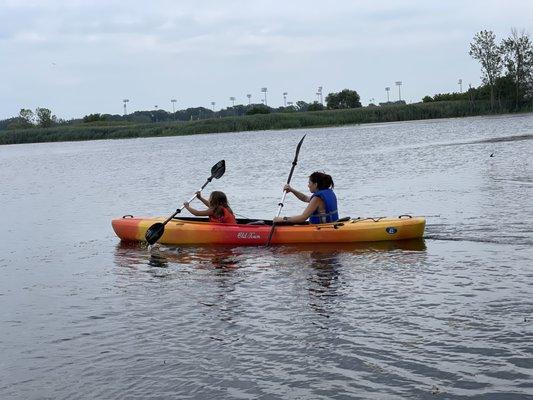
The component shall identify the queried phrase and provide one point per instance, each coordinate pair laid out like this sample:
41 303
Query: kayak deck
199 231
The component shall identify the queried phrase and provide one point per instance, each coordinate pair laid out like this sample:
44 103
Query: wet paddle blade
218 169
154 233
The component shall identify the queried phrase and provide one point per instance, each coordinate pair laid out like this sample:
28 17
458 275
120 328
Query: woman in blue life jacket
322 206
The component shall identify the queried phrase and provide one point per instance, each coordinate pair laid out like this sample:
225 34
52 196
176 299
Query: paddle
285 192
154 233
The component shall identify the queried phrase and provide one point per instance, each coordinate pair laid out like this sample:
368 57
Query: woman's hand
277 220
199 194
186 205
287 188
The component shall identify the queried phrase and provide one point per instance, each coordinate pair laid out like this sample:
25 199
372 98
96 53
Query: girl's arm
313 205
199 195
299 195
198 213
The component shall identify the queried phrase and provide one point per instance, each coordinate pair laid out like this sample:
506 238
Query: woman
218 210
322 206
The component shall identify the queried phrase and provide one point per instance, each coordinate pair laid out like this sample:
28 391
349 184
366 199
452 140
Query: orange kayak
199 231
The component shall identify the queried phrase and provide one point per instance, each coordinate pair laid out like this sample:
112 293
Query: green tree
302 105
316 106
258 109
288 109
26 118
44 117
517 53
94 118
344 99
484 49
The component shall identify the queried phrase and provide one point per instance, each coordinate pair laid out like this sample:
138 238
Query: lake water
449 317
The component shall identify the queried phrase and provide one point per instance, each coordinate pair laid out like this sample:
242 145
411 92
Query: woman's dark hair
217 200
322 180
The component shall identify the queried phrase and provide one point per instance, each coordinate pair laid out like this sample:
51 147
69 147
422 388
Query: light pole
399 84
284 99
213 105
460 82
249 97
125 101
387 89
264 90
232 99
320 94
173 101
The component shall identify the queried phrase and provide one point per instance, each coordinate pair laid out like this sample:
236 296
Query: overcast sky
81 57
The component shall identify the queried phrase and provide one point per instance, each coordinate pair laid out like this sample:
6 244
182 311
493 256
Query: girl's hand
199 194
287 188
186 204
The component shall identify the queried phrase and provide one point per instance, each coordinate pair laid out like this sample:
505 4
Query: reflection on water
329 248
446 317
320 265
128 254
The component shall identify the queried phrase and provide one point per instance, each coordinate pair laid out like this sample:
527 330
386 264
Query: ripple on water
445 317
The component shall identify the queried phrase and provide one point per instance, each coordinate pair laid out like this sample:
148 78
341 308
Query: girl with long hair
218 209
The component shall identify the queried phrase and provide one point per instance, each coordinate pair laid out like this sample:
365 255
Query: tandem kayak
199 231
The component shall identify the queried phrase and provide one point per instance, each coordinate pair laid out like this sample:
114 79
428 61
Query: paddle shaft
192 198
294 163
154 233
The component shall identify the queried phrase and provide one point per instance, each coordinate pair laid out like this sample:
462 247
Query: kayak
199 231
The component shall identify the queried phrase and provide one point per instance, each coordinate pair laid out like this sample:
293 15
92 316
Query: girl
218 208
322 206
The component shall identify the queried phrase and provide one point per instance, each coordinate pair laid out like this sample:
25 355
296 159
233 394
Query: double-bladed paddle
284 191
154 233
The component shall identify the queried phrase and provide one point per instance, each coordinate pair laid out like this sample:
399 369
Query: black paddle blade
218 169
298 148
154 233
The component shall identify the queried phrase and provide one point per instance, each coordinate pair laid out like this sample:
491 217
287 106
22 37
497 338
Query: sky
81 57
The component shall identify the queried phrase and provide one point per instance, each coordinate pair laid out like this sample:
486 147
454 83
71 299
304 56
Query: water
83 316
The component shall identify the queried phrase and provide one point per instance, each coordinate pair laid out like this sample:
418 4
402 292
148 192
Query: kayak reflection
131 254
321 257
358 247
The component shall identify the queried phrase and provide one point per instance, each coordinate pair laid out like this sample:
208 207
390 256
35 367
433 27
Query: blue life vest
330 204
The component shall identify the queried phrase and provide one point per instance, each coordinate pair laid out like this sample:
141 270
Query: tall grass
100 130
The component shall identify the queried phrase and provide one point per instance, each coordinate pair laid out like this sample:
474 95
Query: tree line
506 71
43 118
506 75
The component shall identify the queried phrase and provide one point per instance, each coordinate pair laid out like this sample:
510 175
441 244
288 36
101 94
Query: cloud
108 46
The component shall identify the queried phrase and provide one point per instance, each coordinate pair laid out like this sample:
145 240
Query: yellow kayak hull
195 231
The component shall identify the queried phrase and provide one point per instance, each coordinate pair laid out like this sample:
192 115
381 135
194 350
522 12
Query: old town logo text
248 235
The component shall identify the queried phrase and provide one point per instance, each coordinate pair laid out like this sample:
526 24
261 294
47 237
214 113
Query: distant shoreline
274 121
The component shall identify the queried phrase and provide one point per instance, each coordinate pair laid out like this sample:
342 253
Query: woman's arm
198 213
313 205
299 195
